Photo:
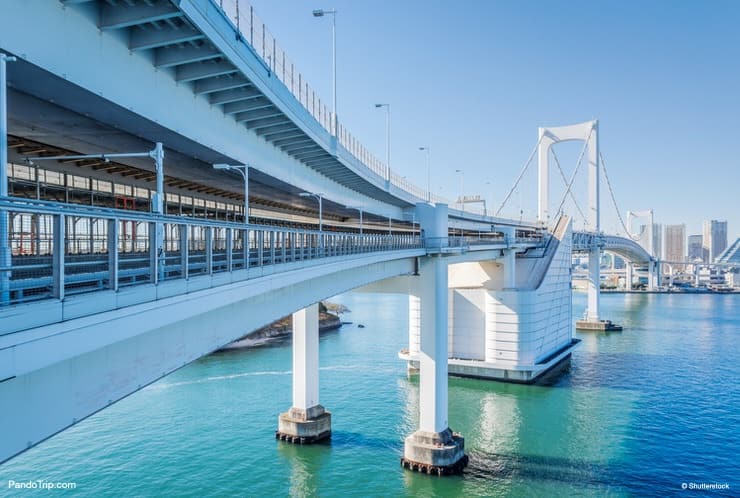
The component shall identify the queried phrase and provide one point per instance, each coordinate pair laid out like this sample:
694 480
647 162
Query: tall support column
434 448
628 276
651 275
433 351
158 207
306 421
5 256
594 282
696 275
414 331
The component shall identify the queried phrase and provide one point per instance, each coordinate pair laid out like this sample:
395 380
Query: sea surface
639 413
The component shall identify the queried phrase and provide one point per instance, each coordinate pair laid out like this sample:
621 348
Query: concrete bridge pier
434 448
628 276
594 282
306 422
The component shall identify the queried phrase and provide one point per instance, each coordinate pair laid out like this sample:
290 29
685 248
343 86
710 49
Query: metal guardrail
61 249
466 242
253 30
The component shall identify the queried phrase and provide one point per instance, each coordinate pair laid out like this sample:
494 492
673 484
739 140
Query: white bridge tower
586 132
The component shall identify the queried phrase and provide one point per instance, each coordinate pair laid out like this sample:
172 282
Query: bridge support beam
628 275
434 448
306 421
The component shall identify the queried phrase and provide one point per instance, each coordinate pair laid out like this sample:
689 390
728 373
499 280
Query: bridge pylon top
588 132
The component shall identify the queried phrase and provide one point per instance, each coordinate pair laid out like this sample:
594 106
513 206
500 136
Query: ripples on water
638 413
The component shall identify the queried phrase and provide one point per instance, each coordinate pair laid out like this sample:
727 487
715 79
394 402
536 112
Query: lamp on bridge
428 150
360 209
462 198
322 13
320 198
387 137
243 169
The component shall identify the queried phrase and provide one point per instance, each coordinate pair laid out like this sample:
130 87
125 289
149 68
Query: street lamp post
462 200
243 169
387 138
333 13
358 208
428 150
320 198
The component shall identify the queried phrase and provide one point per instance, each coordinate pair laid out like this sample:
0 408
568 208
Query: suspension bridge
200 190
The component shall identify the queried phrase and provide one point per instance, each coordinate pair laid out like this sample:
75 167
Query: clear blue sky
474 80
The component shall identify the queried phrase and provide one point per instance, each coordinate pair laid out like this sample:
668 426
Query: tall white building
715 238
675 243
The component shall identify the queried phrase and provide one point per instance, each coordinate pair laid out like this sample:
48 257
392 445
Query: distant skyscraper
715 238
675 243
695 250
657 240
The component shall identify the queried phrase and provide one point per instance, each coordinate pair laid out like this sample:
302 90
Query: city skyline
670 111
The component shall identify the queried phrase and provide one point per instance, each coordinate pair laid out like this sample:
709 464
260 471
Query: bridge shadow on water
601 478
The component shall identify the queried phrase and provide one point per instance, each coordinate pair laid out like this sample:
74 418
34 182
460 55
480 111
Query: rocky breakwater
283 328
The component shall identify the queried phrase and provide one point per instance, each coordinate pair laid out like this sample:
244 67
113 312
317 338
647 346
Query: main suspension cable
518 178
614 200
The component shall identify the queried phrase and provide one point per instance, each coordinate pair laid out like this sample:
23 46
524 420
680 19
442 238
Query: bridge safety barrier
60 249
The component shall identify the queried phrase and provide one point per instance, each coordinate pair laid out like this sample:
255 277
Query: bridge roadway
84 328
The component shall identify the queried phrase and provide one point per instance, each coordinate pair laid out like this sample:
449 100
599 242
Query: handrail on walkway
59 249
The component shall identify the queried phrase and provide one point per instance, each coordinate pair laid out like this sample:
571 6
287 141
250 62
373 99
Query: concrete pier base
600 325
441 453
304 426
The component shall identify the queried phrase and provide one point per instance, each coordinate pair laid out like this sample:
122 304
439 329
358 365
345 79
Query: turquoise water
639 413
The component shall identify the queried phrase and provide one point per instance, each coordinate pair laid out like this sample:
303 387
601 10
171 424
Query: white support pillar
594 282
306 357
628 275
414 330
651 275
434 448
306 421
433 349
